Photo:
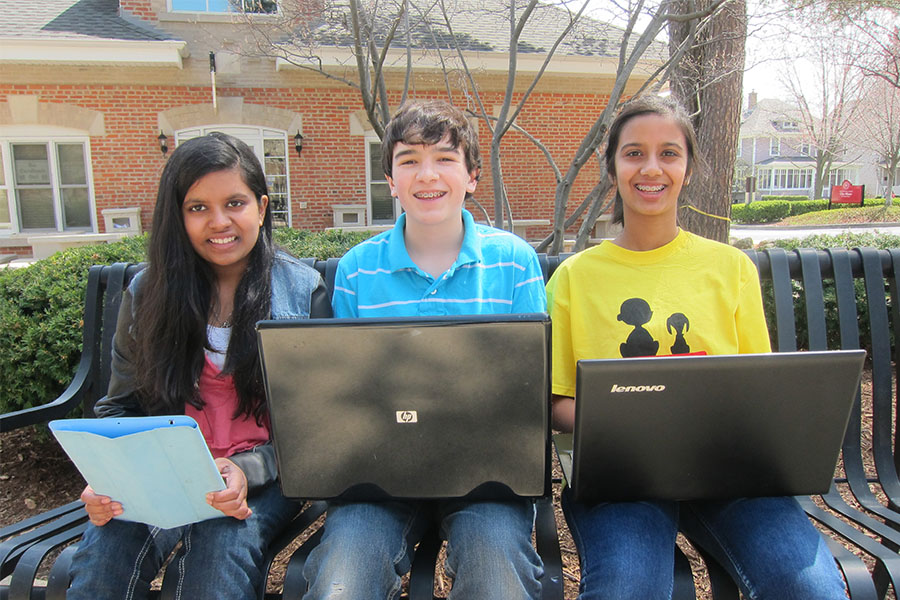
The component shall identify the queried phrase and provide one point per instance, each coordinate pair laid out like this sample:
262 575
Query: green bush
760 212
321 245
740 213
775 208
799 207
785 198
41 309
821 242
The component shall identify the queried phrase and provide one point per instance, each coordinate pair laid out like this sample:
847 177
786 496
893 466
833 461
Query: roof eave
477 61
162 53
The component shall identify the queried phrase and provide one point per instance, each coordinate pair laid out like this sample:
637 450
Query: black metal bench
24 546
805 287
857 290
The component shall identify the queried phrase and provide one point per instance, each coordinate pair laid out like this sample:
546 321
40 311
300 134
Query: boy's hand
232 501
100 509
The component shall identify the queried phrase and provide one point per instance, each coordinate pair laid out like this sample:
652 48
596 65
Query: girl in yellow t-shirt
657 290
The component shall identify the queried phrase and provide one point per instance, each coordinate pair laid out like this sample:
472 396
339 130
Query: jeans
367 547
219 558
767 545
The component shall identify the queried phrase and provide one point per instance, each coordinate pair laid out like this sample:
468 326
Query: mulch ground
35 475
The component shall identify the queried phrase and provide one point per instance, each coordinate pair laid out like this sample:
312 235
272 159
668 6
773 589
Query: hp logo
407 416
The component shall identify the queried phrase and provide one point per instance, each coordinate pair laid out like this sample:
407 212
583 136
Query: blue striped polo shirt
495 272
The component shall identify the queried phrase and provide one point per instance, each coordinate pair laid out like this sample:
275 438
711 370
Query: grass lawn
837 216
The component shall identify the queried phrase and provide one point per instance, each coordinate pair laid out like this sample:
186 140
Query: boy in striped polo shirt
435 261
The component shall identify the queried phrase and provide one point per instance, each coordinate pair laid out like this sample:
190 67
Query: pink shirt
224 434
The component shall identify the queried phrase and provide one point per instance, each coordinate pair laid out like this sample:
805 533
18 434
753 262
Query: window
268 7
785 179
793 179
837 177
275 167
775 147
383 209
270 147
805 148
46 187
5 221
740 149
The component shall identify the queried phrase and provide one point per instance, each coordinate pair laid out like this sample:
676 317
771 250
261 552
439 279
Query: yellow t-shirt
692 295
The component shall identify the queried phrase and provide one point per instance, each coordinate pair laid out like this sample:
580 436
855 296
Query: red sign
846 193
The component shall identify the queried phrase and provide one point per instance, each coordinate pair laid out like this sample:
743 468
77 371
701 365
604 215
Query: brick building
90 88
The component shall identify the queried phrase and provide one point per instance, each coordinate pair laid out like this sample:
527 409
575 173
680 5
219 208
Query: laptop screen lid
694 427
413 407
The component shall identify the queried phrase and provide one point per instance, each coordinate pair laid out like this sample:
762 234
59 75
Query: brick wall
141 9
126 161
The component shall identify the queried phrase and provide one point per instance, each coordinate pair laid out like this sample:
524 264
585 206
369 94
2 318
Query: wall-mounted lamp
163 143
298 143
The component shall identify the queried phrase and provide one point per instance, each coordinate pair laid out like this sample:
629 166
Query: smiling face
431 182
222 219
651 167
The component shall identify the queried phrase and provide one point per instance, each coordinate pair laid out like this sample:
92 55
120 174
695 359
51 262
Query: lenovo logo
616 388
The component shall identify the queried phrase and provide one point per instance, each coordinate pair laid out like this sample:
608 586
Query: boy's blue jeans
220 558
367 547
768 546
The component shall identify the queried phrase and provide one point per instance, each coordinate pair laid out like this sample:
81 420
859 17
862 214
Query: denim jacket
298 292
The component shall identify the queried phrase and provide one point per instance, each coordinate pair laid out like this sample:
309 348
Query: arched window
270 147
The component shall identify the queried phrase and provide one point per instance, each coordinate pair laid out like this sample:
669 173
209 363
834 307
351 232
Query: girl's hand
232 501
100 509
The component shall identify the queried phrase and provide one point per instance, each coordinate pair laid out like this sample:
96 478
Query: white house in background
772 148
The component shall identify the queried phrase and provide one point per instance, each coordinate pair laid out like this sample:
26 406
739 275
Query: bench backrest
834 293
839 298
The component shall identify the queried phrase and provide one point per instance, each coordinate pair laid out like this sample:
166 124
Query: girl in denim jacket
186 343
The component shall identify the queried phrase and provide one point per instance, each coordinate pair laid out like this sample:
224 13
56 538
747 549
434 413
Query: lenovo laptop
373 409
694 427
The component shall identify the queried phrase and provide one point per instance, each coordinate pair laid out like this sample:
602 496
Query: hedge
787 198
41 308
842 240
770 211
760 212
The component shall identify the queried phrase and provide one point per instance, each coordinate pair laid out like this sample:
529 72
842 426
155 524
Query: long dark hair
174 300
649 105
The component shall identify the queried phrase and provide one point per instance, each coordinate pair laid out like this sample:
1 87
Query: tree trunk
708 84
892 181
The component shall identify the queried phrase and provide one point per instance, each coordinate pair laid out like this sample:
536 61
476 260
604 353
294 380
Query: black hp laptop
693 427
409 408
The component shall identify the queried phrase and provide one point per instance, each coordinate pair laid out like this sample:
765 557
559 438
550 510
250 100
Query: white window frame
255 137
6 195
837 176
764 179
369 141
172 9
775 146
51 140
792 179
